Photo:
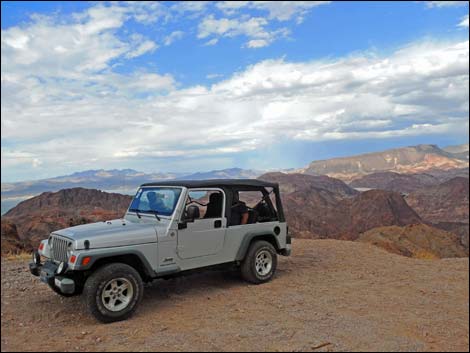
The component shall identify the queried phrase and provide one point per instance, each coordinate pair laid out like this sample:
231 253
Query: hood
117 232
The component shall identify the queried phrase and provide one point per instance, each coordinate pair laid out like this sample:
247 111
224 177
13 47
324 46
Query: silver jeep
171 228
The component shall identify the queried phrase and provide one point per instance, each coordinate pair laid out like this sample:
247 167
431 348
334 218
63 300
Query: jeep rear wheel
113 292
260 263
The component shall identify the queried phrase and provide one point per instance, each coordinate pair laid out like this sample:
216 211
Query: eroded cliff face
410 160
32 220
324 207
445 202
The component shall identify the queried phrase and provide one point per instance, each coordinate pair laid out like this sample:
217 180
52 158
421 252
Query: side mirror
192 213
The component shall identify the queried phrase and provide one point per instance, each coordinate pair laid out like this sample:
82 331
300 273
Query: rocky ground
329 296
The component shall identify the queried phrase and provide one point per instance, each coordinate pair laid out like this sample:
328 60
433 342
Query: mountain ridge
407 160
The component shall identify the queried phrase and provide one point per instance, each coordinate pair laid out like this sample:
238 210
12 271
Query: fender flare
249 237
114 253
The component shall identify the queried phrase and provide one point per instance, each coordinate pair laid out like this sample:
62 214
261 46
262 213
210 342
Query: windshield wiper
150 211
156 214
136 212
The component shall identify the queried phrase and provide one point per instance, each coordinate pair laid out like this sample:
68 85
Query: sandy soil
329 296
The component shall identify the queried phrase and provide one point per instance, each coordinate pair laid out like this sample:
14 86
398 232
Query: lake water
9 204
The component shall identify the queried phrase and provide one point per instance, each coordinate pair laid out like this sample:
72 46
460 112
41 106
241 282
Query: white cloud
85 45
257 43
147 12
145 47
173 36
279 10
464 22
259 29
445 3
254 28
213 41
64 105
190 6
108 118
211 25
213 76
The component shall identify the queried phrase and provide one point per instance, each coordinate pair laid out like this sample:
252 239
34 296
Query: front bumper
286 252
47 272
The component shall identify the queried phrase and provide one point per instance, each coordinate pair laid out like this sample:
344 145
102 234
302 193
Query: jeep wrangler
171 228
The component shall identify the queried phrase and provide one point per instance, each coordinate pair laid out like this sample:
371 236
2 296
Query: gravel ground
329 296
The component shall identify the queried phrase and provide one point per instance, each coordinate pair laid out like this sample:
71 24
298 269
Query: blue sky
185 86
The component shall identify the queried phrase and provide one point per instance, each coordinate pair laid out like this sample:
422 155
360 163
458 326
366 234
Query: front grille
59 248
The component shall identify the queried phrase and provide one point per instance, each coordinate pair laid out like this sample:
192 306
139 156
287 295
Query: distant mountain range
117 180
458 151
231 173
432 221
400 169
408 160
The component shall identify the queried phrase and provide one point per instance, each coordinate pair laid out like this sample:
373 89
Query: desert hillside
33 220
404 183
329 296
315 206
412 159
416 240
446 202
324 207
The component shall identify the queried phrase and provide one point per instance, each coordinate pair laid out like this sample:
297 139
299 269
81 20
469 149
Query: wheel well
128 259
266 237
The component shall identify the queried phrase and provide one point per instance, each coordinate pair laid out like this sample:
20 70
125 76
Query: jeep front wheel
260 263
113 292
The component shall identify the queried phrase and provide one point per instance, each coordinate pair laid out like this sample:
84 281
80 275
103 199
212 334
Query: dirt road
329 296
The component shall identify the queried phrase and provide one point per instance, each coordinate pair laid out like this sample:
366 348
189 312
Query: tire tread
104 274
247 268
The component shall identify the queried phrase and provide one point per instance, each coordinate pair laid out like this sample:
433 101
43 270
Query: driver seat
214 207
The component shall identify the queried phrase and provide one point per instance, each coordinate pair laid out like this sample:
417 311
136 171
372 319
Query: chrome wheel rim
264 262
117 294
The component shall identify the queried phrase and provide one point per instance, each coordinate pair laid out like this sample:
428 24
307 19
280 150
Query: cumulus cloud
173 36
279 10
259 29
253 28
51 48
64 105
106 117
445 3
146 46
464 22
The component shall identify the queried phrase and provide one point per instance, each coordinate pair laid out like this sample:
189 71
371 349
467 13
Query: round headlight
62 267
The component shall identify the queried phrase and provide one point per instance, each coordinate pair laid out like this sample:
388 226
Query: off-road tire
95 284
248 267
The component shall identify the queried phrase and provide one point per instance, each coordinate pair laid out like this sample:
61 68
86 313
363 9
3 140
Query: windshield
158 200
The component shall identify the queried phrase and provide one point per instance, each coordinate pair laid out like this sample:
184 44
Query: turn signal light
41 246
86 260
72 259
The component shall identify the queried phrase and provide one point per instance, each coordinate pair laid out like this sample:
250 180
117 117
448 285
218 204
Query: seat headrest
216 197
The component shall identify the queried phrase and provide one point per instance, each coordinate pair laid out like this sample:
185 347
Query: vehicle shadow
160 293
209 282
